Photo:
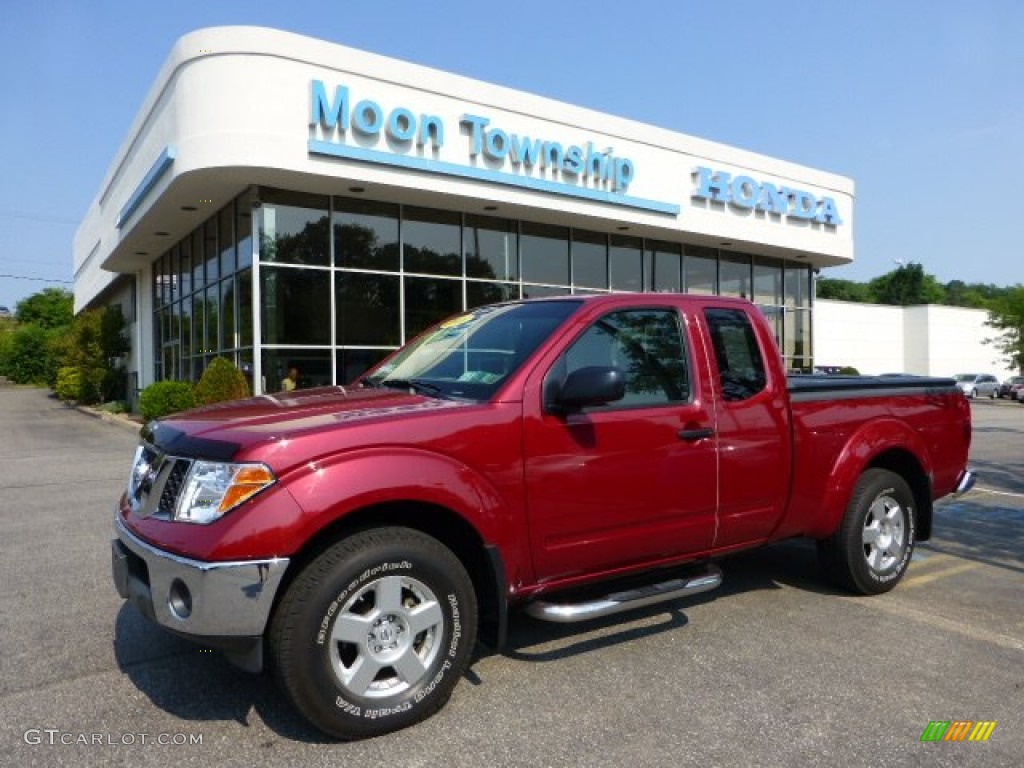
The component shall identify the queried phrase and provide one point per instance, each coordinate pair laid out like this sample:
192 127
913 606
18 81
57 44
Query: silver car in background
978 384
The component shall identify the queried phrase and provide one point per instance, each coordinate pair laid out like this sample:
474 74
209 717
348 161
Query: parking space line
926 558
926 578
994 492
949 625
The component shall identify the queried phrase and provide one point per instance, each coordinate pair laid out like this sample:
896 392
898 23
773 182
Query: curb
117 419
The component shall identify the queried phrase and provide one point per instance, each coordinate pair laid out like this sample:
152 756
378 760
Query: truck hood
223 430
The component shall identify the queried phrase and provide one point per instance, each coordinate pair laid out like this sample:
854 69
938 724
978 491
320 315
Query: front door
631 482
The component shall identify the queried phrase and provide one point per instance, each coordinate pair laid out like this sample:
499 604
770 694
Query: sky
920 102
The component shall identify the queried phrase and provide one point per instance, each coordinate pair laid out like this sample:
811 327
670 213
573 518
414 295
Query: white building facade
927 340
287 202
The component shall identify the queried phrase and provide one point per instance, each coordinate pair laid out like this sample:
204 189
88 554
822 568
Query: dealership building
287 202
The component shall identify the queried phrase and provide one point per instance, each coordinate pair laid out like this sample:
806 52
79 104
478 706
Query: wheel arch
884 444
483 563
905 464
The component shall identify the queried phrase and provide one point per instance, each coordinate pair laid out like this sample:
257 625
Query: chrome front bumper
191 597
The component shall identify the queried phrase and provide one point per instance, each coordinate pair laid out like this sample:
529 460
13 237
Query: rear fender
888 443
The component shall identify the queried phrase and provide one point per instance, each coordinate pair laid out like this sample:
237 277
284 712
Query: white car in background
978 384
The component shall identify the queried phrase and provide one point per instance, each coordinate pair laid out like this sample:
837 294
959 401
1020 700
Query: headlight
212 488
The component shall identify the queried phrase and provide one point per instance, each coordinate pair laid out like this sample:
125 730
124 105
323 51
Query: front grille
173 486
156 482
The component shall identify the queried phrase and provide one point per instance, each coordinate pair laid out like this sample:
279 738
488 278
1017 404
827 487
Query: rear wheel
373 635
872 548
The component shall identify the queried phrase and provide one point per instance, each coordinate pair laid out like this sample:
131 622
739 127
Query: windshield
469 356
965 377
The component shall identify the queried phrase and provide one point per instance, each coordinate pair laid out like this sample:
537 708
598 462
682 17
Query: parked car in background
1011 387
978 384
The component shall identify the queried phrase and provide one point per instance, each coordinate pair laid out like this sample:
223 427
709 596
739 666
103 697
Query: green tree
907 285
50 308
26 358
92 349
1007 316
841 290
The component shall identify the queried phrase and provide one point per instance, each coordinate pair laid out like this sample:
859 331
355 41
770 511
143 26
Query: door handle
693 435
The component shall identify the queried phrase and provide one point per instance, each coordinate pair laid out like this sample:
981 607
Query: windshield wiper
416 385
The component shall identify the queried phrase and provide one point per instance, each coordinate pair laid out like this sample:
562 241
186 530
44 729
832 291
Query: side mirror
593 385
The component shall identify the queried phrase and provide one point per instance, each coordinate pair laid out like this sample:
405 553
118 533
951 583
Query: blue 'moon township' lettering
746 192
367 118
404 128
587 163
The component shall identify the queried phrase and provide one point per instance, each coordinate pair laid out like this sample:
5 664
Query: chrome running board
616 602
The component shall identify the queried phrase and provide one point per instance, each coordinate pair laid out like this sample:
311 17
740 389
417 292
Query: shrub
69 383
221 381
27 358
849 370
166 397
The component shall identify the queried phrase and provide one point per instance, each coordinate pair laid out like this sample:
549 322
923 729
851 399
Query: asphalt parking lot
775 668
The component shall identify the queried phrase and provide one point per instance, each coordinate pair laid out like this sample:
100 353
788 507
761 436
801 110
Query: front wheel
872 548
373 634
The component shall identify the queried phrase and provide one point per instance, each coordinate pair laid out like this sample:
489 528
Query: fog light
179 599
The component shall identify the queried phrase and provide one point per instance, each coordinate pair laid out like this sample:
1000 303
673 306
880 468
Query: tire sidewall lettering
451 635
332 609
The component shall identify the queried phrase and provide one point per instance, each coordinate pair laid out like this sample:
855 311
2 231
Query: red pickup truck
573 457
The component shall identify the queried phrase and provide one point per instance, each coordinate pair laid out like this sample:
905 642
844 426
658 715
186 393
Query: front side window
645 344
740 365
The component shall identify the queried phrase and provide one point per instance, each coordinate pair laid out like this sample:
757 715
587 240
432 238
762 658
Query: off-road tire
872 548
373 634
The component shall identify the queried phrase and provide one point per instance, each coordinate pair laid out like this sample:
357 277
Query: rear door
752 424
630 482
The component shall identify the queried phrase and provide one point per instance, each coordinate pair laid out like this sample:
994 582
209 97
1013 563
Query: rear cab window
741 370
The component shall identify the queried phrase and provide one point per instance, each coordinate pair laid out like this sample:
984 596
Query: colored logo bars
958 730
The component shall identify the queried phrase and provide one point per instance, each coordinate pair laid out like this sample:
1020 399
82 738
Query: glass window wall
589 259
700 270
431 242
296 305
226 240
734 275
545 254
491 246
429 300
293 228
625 260
368 309
767 281
343 282
666 265
365 235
